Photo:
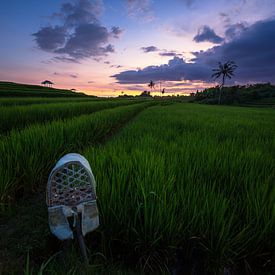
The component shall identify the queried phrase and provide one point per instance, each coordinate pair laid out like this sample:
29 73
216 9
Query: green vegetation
183 185
238 95
13 101
31 152
190 176
8 89
19 117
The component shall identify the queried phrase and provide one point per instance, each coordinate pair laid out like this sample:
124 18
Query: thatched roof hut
47 83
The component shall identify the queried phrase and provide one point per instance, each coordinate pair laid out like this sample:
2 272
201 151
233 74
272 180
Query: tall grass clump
28 155
192 178
18 117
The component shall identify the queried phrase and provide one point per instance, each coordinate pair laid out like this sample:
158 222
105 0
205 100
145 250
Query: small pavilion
47 83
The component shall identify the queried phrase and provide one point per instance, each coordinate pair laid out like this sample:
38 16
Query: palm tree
225 70
151 85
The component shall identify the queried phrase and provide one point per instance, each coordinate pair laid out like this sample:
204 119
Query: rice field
31 152
186 175
11 89
19 117
15 101
181 188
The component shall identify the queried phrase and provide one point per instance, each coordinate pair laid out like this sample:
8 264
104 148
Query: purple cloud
72 75
81 12
252 49
176 69
65 59
80 35
116 66
234 30
50 38
149 49
140 9
169 53
88 40
207 34
116 31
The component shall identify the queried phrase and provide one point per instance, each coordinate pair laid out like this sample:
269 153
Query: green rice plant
15 101
28 270
181 176
188 175
15 118
28 155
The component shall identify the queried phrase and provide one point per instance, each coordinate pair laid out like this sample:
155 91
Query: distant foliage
145 94
237 95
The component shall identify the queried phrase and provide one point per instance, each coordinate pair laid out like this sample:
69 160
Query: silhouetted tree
225 70
151 85
163 91
145 94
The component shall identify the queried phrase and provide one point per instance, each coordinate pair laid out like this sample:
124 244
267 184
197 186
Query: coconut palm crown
151 85
225 70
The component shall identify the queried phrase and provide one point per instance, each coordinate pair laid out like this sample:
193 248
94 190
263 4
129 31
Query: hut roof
47 82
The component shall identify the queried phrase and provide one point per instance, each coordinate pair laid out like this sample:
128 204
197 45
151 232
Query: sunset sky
106 47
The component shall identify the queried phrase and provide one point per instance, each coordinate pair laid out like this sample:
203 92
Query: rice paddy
19 117
180 186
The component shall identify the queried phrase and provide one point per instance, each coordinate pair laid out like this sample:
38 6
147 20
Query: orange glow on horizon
101 85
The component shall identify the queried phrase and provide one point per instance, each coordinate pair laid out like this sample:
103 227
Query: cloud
65 59
80 35
169 53
234 30
149 49
116 31
81 12
135 88
163 52
225 18
50 38
72 75
140 10
116 66
207 34
176 70
252 49
88 40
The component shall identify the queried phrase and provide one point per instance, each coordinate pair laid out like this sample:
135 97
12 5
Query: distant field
8 89
172 178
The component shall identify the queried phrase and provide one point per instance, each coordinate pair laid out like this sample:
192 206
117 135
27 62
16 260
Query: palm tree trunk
220 96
